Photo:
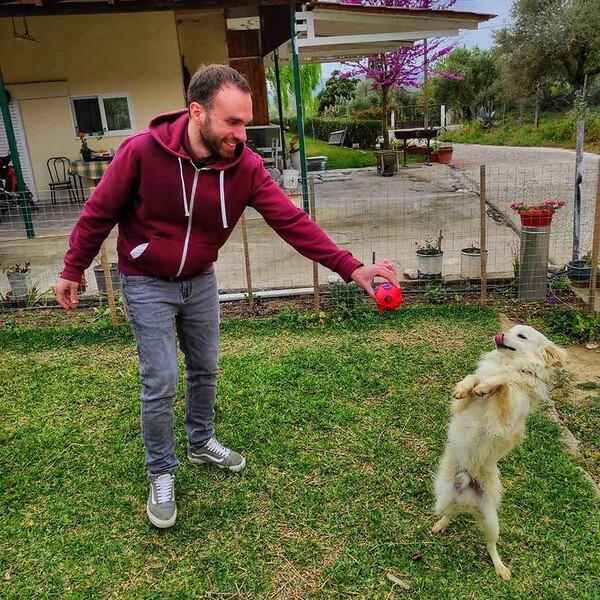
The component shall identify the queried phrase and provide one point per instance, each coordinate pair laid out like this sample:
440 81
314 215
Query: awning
332 32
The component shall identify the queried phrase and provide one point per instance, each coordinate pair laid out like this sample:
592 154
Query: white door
17 123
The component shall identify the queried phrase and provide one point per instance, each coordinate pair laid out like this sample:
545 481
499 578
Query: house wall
202 37
136 54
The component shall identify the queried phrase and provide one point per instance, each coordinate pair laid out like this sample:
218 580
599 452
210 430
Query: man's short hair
209 79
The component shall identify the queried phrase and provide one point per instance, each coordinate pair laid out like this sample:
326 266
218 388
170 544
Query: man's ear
197 113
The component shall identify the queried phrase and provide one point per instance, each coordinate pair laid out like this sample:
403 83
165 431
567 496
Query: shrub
362 132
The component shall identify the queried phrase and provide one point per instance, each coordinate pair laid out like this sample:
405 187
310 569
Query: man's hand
66 293
363 276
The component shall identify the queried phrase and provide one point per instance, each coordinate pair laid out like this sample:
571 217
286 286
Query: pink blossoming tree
404 67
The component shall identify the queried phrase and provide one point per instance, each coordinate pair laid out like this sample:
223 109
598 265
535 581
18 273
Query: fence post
313 213
483 234
110 290
247 263
595 244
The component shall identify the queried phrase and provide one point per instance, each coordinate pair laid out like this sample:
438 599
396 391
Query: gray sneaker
216 454
161 507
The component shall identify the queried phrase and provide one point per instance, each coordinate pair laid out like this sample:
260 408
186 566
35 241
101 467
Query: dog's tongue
499 339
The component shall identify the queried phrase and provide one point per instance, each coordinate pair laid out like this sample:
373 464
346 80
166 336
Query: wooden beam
11 8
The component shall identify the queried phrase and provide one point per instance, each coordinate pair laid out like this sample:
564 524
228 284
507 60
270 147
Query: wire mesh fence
395 218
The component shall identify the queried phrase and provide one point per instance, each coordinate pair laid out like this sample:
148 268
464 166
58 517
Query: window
109 113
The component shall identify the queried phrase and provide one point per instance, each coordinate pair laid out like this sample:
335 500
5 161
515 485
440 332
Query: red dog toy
388 297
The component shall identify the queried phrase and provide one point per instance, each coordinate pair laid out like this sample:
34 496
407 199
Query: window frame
100 99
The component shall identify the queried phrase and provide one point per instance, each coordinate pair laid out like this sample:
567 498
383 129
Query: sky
482 37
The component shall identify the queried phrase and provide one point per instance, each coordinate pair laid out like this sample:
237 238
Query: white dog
489 413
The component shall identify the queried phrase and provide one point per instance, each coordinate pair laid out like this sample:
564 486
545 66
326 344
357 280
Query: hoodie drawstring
188 207
222 194
185 202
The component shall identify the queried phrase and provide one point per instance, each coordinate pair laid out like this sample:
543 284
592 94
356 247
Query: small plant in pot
19 278
537 215
470 261
579 271
430 257
100 276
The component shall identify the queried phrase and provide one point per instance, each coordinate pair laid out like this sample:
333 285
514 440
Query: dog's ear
555 356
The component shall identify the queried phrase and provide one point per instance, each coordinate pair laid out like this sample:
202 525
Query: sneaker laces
163 486
214 446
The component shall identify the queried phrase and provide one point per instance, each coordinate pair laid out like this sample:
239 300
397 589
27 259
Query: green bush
361 132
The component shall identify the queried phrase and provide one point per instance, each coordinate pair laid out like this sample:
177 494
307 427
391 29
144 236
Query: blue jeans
162 312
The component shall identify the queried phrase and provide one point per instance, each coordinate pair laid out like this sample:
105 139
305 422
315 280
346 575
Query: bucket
290 179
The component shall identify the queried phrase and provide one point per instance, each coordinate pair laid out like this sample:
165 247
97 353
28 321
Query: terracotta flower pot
445 155
536 218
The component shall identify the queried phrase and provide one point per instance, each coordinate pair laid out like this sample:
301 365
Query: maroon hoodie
174 217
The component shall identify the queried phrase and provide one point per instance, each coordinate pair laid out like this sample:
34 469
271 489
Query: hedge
364 133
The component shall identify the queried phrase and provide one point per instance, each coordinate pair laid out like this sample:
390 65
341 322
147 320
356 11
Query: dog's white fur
489 413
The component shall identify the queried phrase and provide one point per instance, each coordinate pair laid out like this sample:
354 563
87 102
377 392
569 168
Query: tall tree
336 88
478 83
549 41
310 78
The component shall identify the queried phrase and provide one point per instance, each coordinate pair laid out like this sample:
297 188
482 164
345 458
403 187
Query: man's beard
212 143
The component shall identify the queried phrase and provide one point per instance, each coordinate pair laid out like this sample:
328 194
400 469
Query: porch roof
332 32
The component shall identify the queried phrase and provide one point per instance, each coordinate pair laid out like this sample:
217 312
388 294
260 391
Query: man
176 190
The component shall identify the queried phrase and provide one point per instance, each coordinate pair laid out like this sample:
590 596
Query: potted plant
19 278
444 152
579 271
470 261
430 257
101 278
537 215
295 153
85 150
387 160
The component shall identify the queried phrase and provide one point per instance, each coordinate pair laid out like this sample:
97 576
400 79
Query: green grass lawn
345 158
555 130
342 425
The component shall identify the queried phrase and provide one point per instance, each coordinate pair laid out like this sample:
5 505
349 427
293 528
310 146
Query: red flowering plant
551 205
404 67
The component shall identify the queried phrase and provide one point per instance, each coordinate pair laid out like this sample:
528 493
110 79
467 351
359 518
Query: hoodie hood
170 130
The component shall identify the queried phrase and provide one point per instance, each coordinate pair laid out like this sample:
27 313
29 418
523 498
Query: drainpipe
14 154
299 108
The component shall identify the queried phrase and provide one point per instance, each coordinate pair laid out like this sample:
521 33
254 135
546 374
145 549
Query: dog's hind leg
488 523
441 524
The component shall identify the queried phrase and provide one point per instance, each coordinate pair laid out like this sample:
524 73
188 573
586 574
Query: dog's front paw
485 388
463 389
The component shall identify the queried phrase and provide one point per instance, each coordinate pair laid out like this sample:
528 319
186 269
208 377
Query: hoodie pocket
162 257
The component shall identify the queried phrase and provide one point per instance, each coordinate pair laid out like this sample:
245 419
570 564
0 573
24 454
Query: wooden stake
313 214
595 244
483 235
247 262
110 290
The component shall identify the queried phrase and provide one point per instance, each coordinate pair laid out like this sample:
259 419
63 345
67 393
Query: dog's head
524 342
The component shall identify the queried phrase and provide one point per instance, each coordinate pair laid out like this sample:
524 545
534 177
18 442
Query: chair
61 179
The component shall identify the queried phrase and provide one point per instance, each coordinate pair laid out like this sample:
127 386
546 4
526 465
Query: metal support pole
299 108
533 272
483 234
313 214
577 194
14 154
279 107
595 246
